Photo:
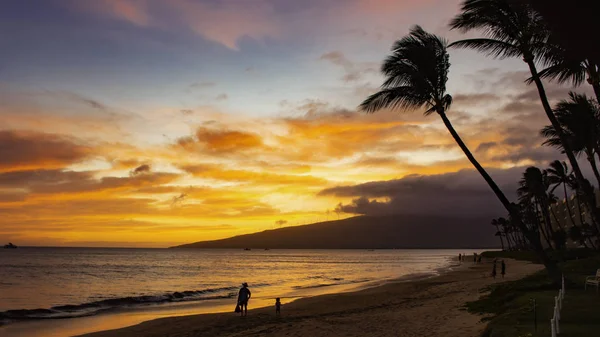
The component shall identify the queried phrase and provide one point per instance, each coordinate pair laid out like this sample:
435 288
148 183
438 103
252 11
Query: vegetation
416 74
511 307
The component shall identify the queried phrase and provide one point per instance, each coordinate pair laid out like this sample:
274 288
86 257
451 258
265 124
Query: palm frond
398 97
491 47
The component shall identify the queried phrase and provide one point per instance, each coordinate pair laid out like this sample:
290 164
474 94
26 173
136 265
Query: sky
150 123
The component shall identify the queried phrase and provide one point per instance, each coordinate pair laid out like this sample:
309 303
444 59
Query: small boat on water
10 246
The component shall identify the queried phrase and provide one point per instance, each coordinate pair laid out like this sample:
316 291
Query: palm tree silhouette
532 190
558 174
496 223
579 120
416 75
514 29
567 68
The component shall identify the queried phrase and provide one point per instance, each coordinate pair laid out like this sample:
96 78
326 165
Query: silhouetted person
243 297
459 258
503 268
479 259
494 270
277 306
474 258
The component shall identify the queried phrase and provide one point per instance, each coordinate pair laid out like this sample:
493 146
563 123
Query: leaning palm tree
513 29
416 75
579 120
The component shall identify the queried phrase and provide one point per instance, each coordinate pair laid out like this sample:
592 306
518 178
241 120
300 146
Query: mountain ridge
369 232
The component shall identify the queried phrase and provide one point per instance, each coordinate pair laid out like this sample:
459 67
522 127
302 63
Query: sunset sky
151 123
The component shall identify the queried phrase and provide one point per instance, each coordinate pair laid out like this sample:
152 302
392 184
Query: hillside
364 232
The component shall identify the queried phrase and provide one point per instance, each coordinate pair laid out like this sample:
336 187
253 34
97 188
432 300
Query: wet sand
430 307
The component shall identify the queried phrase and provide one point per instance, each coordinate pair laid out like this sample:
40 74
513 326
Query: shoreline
429 306
127 317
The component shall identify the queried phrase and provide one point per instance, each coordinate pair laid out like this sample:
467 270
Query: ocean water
46 283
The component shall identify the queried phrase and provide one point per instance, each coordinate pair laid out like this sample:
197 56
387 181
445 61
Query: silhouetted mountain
364 232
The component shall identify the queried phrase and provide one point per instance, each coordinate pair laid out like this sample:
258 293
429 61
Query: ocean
70 283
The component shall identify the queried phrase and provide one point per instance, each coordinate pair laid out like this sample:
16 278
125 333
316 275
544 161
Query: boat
247 249
10 246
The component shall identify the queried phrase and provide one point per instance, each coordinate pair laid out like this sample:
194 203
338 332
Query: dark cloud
462 193
484 147
145 168
30 150
64 182
474 99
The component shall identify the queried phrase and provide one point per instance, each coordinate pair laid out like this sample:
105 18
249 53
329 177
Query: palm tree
514 29
417 72
532 189
579 120
566 68
558 174
496 223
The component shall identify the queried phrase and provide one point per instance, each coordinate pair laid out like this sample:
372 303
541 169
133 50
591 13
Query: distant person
243 297
474 258
503 268
459 258
278 306
494 270
479 259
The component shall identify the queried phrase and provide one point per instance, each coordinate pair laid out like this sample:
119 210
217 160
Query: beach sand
430 307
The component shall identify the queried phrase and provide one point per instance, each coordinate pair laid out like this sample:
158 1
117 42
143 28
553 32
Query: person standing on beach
243 298
474 258
494 270
459 258
503 268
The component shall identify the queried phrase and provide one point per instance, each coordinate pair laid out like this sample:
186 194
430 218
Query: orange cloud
20 150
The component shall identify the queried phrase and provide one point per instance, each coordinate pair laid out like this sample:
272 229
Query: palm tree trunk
501 240
585 188
592 160
593 79
551 266
567 204
541 224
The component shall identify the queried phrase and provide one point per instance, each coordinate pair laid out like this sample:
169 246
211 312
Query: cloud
201 85
353 71
145 168
30 150
222 97
223 140
225 22
457 193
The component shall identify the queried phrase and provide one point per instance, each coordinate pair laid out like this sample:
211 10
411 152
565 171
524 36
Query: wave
321 285
93 308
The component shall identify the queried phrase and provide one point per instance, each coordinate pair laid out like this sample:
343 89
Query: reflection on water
86 281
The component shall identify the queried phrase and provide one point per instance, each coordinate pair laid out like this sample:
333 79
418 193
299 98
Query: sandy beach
429 307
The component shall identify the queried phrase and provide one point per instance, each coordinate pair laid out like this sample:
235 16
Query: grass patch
510 303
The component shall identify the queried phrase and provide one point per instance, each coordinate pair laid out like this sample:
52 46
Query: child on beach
278 306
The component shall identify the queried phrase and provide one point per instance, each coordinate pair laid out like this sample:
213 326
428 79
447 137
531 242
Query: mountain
365 232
